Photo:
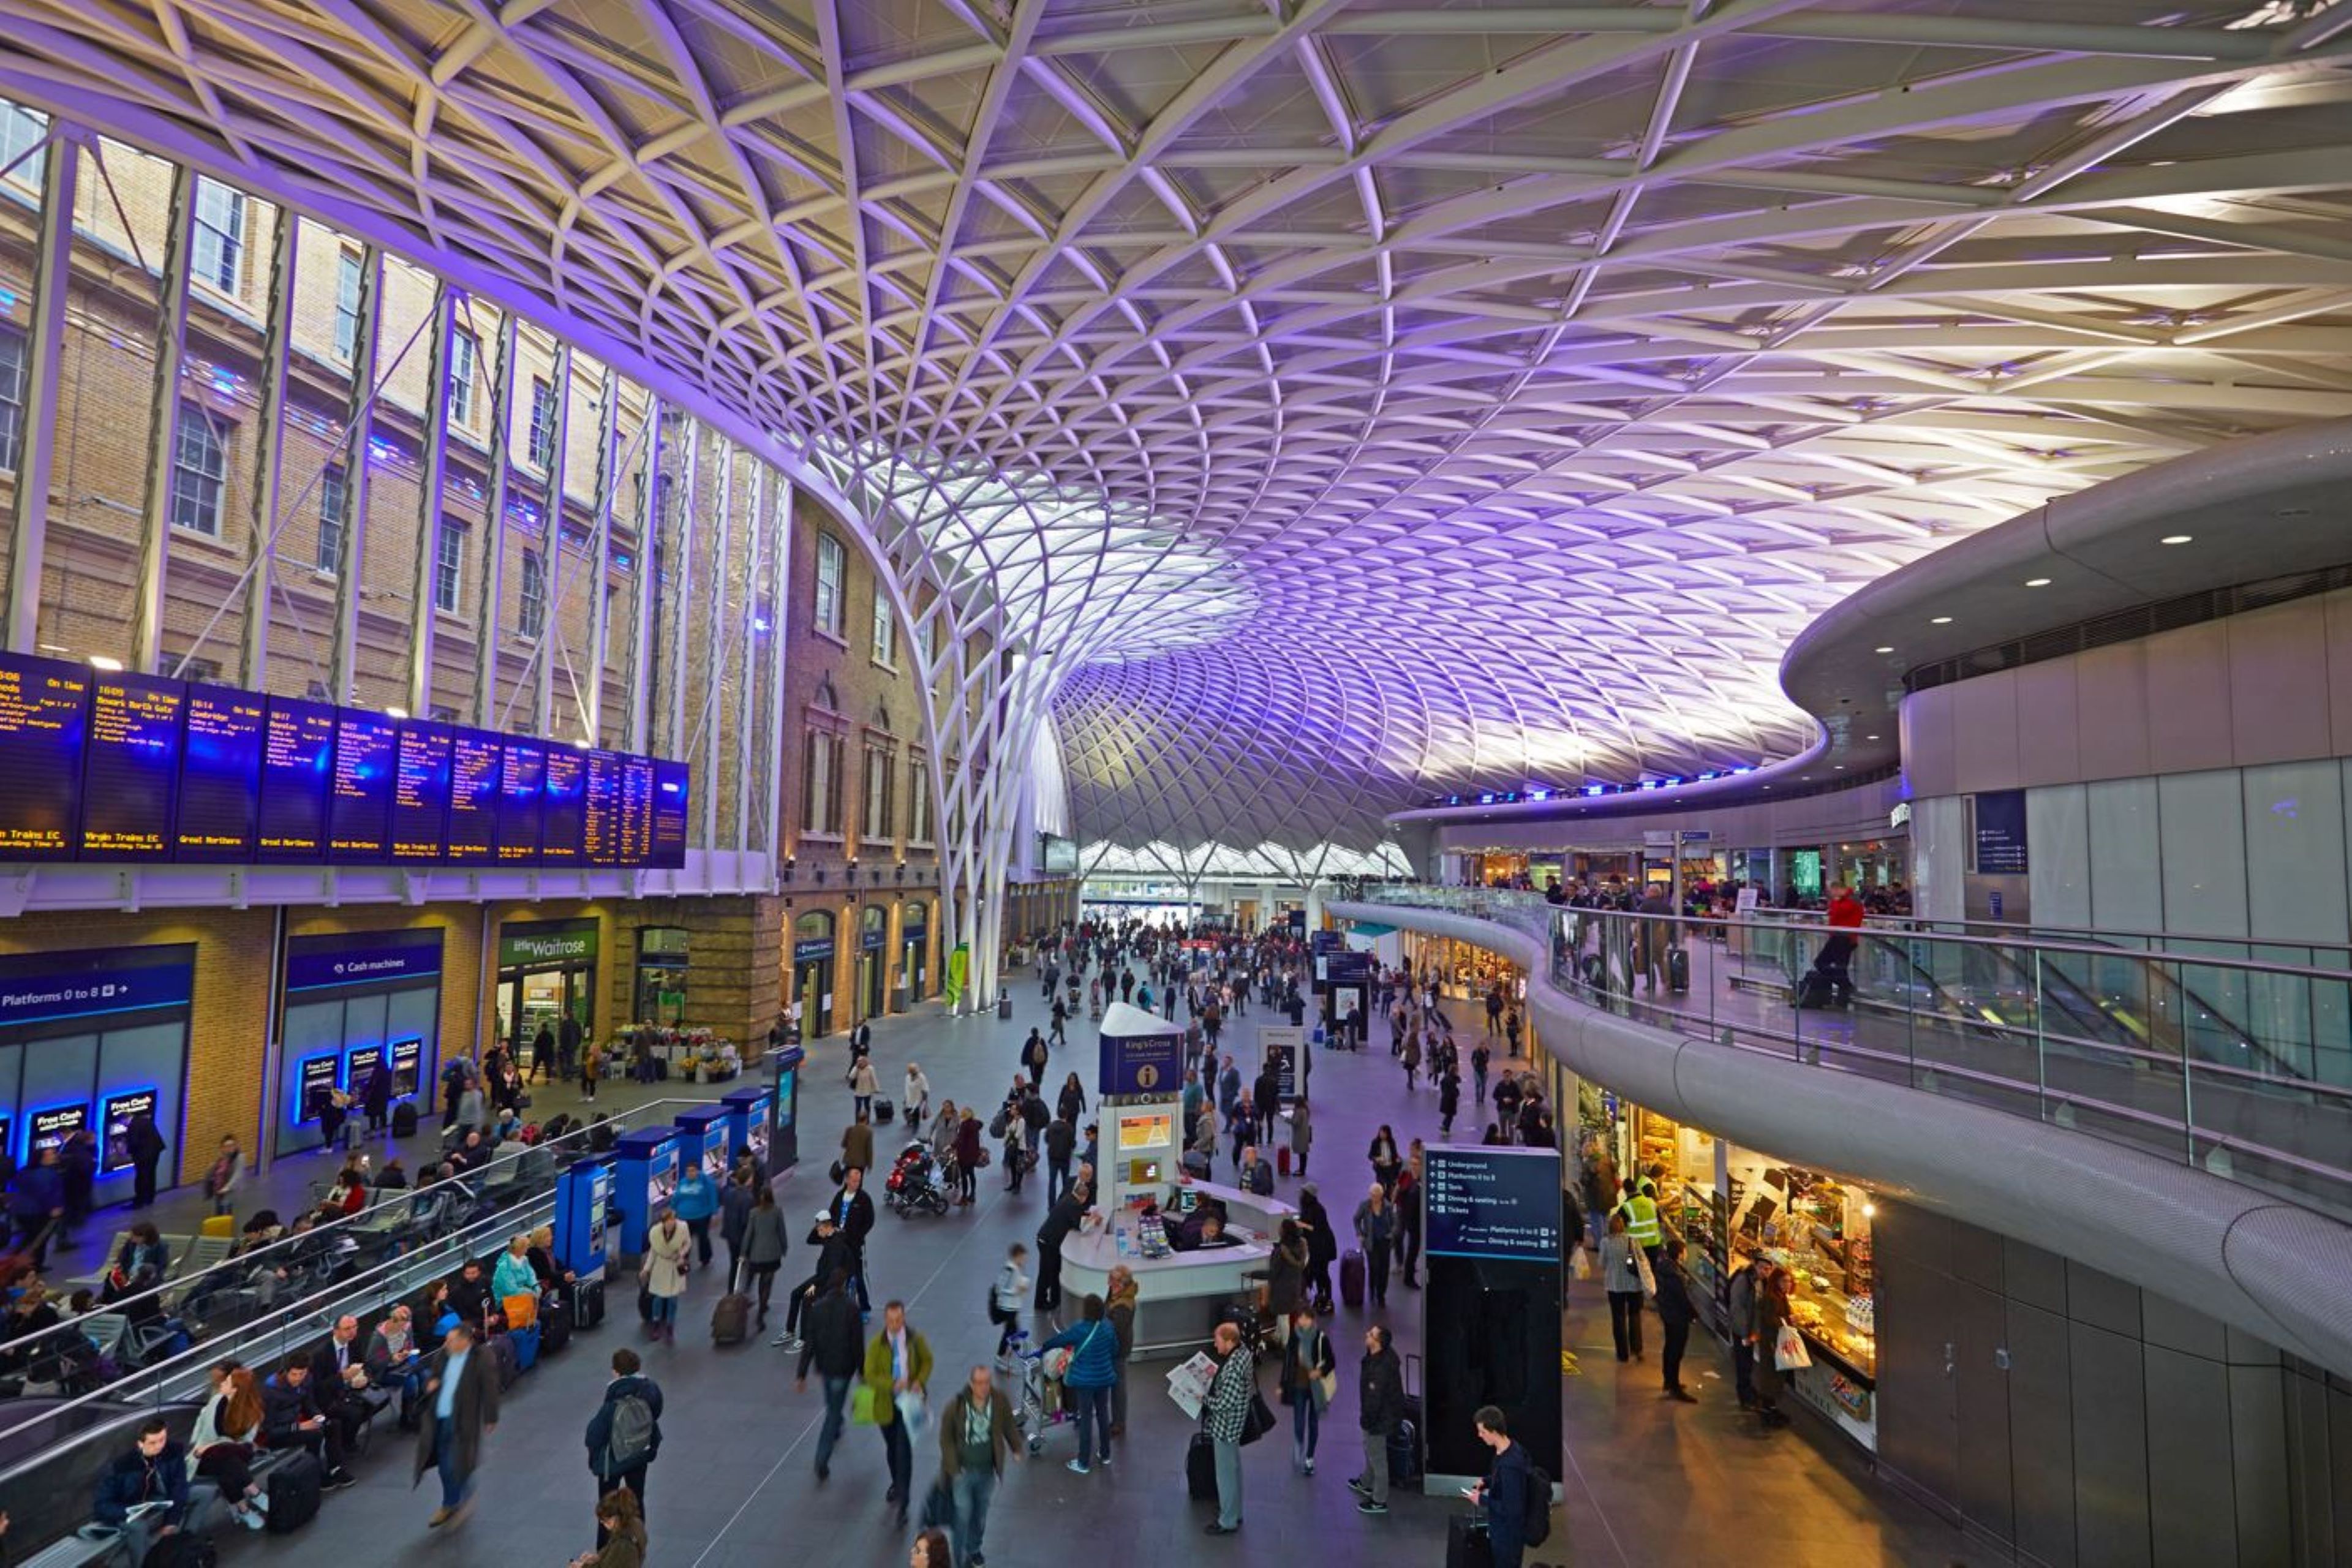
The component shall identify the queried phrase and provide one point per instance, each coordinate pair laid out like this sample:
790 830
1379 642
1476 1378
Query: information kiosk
583 1214
751 1124
645 1174
784 1080
1490 1305
702 1135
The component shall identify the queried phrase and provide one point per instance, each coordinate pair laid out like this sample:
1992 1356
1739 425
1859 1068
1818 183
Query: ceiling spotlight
105 662
2176 539
2037 582
1940 621
395 712
1881 650
1870 737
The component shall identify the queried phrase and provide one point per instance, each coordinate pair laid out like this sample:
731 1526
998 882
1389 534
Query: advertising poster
49 1129
407 1054
315 1078
118 1110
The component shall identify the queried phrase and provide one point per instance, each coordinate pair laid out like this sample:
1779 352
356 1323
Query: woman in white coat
667 1245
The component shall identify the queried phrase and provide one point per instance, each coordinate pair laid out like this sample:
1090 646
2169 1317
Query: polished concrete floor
1646 1481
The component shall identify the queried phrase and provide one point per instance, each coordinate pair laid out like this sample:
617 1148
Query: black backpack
1537 1521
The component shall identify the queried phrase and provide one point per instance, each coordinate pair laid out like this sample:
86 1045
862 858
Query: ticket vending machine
583 1214
751 1124
645 1175
702 1135
784 1140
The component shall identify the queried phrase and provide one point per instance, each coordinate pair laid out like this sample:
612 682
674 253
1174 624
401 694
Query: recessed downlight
1870 737
1940 621
1881 650
2176 539
2037 582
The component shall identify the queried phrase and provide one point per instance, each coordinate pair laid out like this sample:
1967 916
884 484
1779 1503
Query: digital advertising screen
49 1129
522 791
420 793
1492 1203
297 767
669 815
359 811
220 775
115 1123
564 807
477 763
316 1077
360 1064
600 842
44 718
408 1059
131 767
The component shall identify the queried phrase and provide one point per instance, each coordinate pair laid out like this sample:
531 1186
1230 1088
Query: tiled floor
1646 1482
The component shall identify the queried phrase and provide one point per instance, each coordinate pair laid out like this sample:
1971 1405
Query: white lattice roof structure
1396 396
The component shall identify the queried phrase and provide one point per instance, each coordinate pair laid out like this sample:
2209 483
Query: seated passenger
139 1267
393 1361
394 1177
469 1294
144 1493
291 1418
227 1433
542 1257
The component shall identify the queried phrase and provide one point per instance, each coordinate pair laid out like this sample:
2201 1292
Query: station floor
1646 1481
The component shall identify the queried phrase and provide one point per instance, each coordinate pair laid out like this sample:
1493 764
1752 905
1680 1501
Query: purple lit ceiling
1524 393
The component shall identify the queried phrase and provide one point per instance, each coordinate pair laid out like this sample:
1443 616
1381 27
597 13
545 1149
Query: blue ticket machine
784 1147
584 1213
645 1177
702 1135
751 1123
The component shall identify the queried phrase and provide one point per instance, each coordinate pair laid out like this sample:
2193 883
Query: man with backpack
1516 1494
625 1435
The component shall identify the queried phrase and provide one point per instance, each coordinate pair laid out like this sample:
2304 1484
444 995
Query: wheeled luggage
1678 970
1466 1542
885 1112
1201 1469
587 1303
731 1320
554 1322
403 1120
1352 1277
293 1489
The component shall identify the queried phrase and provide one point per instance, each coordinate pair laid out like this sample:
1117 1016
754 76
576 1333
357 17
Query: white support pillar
640 678
432 484
747 693
680 559
550 549
359 419
780 599
714 653
270 455
164 426
599 557
44 361
487 655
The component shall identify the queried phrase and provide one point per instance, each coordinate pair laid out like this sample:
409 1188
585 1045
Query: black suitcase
1816 990
731 1320
1678 970
1466 1542
554 1322
293 1489
587 1303
403 1120
884 1112
1201 1469
184 1549
506 1359
1404 1454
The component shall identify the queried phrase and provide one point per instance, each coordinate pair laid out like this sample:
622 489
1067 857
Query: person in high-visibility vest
1641 1212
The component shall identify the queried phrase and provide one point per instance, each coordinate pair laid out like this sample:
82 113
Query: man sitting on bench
339 1380
144 1493
291 1418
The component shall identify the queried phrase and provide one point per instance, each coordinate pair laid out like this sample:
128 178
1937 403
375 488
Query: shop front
660 991
1466 972
813 960
92 1040
915 948
354 1001
872 960
547 971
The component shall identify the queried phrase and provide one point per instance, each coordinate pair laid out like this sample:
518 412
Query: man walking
625 1435
898 1365
1504 1493
835 1346
461 1408
1228 1408
977 1435
853 1215
1380 1399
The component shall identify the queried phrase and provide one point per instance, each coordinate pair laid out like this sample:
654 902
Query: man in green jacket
897 1362
977 1433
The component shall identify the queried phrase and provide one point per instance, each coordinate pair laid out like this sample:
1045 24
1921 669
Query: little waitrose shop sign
569 945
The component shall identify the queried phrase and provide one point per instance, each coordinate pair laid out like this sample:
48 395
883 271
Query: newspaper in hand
1188 1384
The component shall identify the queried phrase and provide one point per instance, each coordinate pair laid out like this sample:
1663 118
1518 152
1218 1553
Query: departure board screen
601 843
562 817
669 815
131 767
476 762
44 709
298 765
522 785
220 775
359 814
420 793
637 811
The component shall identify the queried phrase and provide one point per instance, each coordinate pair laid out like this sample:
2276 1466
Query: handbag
1788 1352
1642 1267
1258 1420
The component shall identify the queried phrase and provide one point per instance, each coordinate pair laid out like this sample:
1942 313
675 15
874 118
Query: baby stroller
915 1185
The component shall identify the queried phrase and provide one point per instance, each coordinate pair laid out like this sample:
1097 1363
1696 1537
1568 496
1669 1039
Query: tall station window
448 567
821 789
199 474
876 793
21 131
220 234
334 519
463 353
12 397
919 803
830 564
534 594
542 425
347 307
885 629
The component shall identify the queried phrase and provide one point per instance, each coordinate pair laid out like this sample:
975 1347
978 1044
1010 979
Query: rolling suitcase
526 1343
1466 1542
554 1322
1678 970
1282 1160
587 1303
731 1320
884 1112
1201 1469
1816 990
293 1490
403 1120
1352 1277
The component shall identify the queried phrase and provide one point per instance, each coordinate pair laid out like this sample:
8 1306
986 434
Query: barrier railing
2239 1065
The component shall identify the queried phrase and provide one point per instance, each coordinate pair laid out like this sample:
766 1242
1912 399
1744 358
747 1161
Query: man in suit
337 1375
460 1408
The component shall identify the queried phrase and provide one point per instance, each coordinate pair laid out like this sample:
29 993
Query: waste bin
1004 1004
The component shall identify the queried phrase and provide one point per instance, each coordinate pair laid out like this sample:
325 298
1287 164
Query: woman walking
862 1084
764 1245
1322 1245
668 1245
1302 1135
968 1152
1308 1374
1119 1309
1376 1234
1386 1161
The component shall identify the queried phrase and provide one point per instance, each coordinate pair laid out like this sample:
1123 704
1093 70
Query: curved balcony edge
2272 1268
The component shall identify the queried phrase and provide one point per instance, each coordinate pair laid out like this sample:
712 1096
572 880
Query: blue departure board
563 813
420 793
637 811
358 806
477 759
298 766
601 843
522 785
220 775
44 718
131 767
669 815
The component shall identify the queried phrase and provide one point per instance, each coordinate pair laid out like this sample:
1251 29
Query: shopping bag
1642 1267
522 1310
864 1406
1581 1263
1788 1352
913 1411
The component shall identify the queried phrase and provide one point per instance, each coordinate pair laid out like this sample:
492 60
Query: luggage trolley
1035 1395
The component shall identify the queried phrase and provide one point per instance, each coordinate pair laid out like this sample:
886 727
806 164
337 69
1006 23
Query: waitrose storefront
547 970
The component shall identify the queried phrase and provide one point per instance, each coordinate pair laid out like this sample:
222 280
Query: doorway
914 948
813 958
872 962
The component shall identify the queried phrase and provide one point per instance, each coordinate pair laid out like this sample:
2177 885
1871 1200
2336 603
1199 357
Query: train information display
105 765
1497 1203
